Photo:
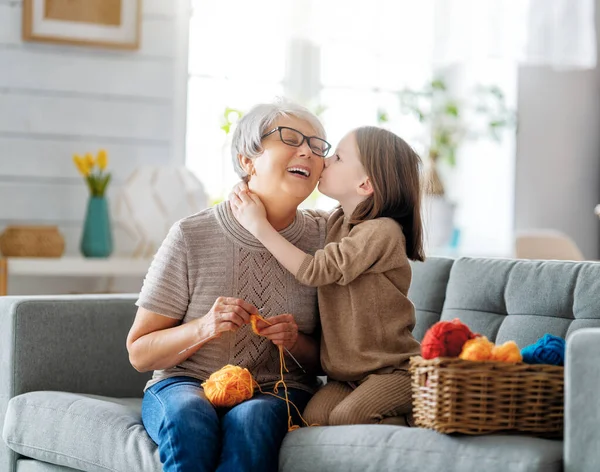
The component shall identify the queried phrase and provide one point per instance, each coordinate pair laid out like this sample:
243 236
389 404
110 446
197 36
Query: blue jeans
194 436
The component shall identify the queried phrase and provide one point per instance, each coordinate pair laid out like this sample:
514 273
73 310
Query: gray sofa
69 400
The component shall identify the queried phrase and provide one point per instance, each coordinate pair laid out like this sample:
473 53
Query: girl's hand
282 330
248 210
226 314
237 189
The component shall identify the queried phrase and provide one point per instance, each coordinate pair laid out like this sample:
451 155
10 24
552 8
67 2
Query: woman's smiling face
284 170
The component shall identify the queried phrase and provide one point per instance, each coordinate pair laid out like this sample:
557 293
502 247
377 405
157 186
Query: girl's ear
246 164
365 188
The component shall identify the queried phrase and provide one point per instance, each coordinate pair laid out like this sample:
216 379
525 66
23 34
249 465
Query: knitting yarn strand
232 384
254 319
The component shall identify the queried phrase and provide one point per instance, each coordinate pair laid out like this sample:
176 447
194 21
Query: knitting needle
288 351
294 359
208 339
212 337
195 344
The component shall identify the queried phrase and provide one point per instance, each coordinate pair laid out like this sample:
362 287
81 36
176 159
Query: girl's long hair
394 170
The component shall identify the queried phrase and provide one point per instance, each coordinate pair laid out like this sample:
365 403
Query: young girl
362 275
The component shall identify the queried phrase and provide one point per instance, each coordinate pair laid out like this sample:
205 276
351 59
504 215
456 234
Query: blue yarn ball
547 350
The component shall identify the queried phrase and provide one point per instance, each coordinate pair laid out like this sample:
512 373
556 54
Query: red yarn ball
445 339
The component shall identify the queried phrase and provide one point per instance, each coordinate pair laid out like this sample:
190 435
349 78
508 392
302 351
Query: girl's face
343 173
285 171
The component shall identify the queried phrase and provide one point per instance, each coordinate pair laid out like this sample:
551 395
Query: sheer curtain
556 33
485 42
344 60
347 58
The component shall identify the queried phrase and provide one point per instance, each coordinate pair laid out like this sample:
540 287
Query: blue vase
96 240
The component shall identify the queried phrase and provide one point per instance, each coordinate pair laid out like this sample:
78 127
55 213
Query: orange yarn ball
478 349
507 352
229 386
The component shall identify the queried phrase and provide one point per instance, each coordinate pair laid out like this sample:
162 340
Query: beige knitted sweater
366 316
210 254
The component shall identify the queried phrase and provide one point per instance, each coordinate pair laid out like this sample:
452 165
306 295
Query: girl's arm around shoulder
373 246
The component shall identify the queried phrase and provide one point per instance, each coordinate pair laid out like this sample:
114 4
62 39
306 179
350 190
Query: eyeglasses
293 137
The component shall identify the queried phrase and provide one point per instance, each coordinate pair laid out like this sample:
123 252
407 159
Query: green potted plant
450 121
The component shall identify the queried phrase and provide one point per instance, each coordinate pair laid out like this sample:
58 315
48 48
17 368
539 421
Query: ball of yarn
477 349
229 386
548 349
507 352
445 339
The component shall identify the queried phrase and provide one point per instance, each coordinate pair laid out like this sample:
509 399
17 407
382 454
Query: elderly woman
208 277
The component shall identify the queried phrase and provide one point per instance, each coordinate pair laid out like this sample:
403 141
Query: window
318 54
346 60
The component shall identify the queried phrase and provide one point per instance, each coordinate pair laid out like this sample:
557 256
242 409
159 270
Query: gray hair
258 121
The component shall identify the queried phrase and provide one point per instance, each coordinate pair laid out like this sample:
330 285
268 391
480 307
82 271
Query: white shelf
77 266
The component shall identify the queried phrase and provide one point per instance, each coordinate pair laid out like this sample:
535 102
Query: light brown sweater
363 275
209 255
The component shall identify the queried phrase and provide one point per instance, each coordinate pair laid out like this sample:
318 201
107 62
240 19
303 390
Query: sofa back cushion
72 343
428 291
506 299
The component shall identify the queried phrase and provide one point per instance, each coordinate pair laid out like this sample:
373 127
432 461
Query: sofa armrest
72 343
582 401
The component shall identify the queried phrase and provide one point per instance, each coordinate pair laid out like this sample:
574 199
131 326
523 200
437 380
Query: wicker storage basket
455 396
31 241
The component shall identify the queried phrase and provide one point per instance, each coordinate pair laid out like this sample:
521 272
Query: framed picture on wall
101 23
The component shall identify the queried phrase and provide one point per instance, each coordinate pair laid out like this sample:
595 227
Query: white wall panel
47 158
160 7
93 117
42 201
52 71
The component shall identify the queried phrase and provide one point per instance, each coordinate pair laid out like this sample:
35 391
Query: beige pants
377 399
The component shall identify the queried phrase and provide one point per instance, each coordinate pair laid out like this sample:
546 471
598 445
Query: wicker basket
455 396
31 241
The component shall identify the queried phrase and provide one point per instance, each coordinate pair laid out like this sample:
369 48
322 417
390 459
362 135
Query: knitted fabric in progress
264 287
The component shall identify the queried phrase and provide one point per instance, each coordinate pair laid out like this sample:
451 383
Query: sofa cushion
523 300
376 448
31 465
84 432
428 291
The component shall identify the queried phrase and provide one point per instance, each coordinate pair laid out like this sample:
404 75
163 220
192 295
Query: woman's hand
282 330
248 210
227 314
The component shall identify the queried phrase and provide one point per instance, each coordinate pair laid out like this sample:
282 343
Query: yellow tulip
102 159
89 160
81 165
85 169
